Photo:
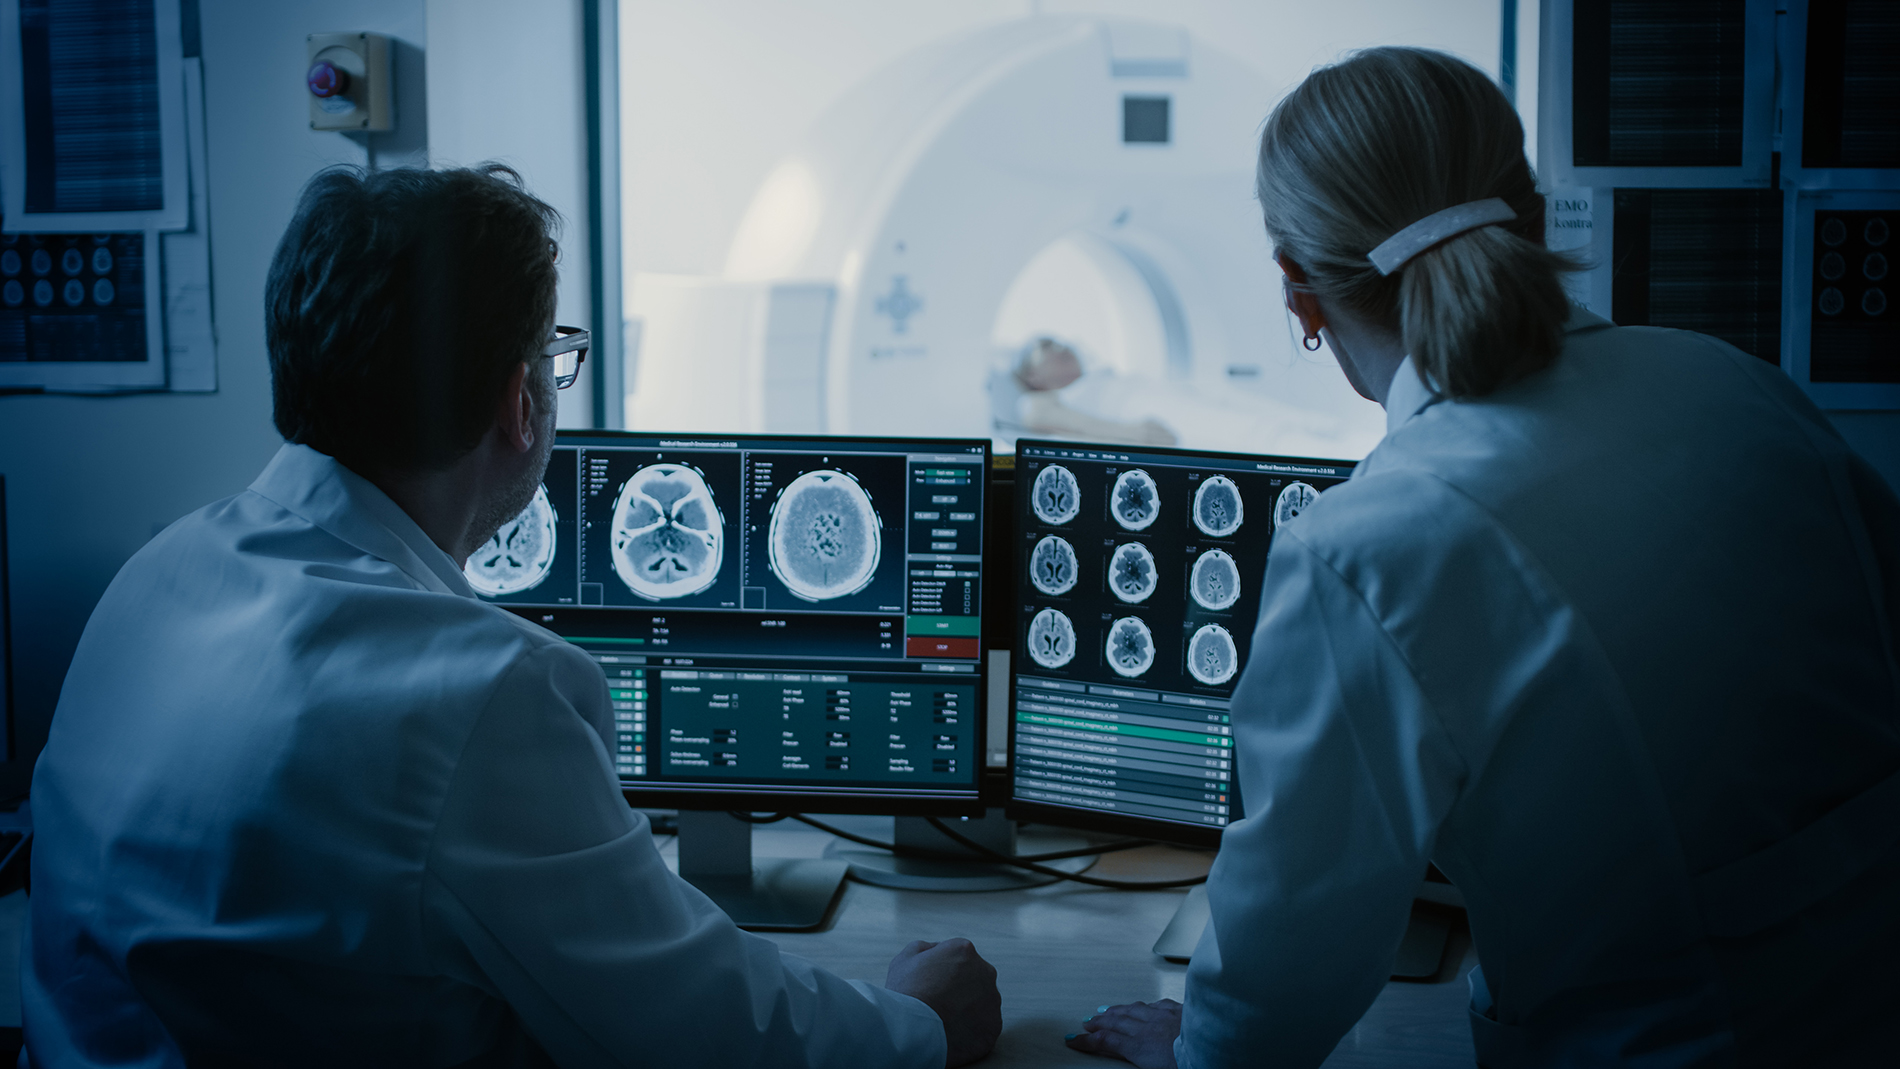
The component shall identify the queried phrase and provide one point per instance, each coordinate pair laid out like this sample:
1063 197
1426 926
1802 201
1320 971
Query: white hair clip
1394 251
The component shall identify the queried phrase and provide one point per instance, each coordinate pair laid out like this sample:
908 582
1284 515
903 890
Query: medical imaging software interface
773 615
1140 575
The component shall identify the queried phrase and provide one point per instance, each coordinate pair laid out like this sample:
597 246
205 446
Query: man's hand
1141 1033
953 980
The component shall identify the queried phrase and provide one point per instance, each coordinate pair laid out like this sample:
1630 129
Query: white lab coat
307 801
1615 646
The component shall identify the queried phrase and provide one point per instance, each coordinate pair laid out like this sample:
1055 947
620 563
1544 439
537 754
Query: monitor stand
1419 955
993 830
760 894
1184 928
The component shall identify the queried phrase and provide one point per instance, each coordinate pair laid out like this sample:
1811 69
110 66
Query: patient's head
397 307
1047 364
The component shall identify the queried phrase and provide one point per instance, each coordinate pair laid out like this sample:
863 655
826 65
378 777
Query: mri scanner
1069 176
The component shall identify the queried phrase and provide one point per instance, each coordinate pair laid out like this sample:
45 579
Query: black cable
1025 862
924 853
1004 859
750 819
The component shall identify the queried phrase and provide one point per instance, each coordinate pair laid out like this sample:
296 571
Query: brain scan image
519 555
1051 639
1212 658
1052 565
1136 500
1056 497
1131 572
1217 508
1215 581
1293 501
1131 647
824 541
668 536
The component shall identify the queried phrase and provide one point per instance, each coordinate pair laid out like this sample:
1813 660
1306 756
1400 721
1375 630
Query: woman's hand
1141 1033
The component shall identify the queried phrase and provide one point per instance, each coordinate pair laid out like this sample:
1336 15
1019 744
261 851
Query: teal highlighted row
1125 729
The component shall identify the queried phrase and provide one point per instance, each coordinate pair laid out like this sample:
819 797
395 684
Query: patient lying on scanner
1043 389
1034 397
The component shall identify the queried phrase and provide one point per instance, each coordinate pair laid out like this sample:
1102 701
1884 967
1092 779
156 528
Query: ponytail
1481 310
1365 148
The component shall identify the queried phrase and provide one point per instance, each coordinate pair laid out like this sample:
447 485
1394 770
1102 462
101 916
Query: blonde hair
1368 146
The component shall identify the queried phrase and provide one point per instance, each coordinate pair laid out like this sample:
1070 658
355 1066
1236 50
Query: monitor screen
785 623
1139 572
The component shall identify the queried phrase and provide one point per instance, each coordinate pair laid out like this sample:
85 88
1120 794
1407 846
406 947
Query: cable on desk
1022 863
927 854
750 819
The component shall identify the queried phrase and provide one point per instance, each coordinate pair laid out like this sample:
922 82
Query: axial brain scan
1052 565
1293 501
823 541
1217 508
1131 646
1051 639
1215 581
519 555
1056 496
668 536
1136 500
1132 573
1212 657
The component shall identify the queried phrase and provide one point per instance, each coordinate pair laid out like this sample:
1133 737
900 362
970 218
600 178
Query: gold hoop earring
1310 343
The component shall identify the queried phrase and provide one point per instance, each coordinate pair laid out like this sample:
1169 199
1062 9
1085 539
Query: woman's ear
1303 305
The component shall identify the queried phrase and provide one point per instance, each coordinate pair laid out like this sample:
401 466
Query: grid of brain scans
771 613
1140 582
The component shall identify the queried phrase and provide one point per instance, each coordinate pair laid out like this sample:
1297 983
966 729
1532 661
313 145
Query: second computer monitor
1138 573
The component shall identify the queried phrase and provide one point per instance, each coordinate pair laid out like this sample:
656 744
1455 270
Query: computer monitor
1139 573
785 623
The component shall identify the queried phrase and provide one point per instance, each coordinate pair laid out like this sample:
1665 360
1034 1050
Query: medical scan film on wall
773 615
1140 574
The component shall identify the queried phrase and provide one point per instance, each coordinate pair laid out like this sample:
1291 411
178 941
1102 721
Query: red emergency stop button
326 79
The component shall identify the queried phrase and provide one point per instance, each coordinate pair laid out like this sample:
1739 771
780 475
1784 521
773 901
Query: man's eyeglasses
568 350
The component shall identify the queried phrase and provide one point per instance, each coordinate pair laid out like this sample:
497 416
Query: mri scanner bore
1131 647
1051 639
824 539
1056 497
668 535
974 196
520 555
1052 565
1136 500
1132 576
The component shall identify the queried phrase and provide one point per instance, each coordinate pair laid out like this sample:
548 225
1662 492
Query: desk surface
1063 949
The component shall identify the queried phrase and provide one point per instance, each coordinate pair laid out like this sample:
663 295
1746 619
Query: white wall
89 480
506 83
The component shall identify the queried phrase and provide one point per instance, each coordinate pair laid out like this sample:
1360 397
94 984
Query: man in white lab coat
306 800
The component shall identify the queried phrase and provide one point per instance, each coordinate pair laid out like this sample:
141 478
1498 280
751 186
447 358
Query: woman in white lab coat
1605 626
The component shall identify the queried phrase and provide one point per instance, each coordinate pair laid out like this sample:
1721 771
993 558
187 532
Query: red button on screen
926 646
